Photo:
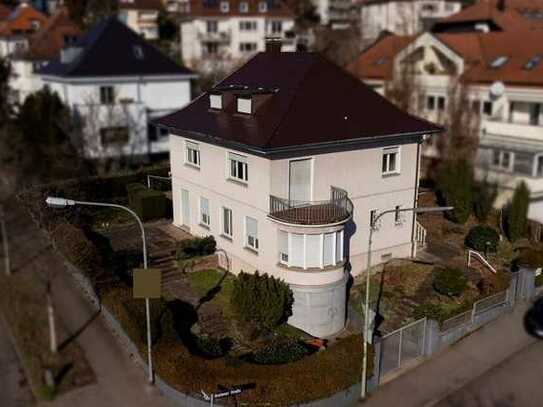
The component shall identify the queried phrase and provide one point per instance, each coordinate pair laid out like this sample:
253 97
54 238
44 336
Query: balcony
514 132
338 208
220 36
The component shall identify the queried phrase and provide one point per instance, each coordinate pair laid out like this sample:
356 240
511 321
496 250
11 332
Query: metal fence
478 308
401 346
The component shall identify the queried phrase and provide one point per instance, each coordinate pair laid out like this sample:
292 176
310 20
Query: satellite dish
497 89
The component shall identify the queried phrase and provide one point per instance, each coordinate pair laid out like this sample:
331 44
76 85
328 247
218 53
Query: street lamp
373 222
56 202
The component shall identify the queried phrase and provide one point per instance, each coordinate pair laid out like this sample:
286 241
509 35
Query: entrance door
300 180
185 208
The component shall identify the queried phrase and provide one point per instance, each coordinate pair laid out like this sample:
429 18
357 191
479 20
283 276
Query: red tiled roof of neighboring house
140 4
5 11
514 15
25 19
212 8
479 51
302 101
48 41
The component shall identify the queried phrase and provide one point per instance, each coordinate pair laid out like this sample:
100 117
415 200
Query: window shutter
297 250
328 249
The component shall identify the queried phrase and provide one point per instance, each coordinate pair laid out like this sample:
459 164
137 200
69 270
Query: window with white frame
251 233
262 6
107 95
212 26
244 105
441 103
487 108
247 46
238 167
205 217
503 160
227 229
247 25
215 101
225 7
193 153
308 251
430 102
373 216
276 27
243 7
391 161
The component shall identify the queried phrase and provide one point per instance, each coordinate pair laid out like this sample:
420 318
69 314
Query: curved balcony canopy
337 209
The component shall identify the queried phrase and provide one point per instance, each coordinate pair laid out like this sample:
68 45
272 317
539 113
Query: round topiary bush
481 238
450 281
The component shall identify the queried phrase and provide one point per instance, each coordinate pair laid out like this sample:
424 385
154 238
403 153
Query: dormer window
225 7
262 6
244 105
215 101
498 62
243 7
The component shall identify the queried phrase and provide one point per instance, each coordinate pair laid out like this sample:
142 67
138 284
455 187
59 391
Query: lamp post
373 222
5 243
56 202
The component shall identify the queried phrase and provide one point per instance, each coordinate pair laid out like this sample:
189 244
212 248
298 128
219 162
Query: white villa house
285 162
220 34
503 71
141 16
117 83
402 17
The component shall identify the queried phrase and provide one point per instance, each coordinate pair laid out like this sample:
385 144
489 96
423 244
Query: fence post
400 349
431 337
473 308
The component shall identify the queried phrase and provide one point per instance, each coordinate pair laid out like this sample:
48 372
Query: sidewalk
456 366
119 381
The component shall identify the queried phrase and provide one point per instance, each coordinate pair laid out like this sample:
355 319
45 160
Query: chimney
273 44
501 5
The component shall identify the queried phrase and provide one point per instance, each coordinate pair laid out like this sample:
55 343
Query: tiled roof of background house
112 49
5 11
311 101
479 51
140 4
274 8
48 41
25 19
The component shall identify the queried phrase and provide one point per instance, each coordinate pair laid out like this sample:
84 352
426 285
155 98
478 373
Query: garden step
162 253
161 262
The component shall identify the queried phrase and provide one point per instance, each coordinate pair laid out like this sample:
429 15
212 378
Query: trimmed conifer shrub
484 195
261 299
516 213
455 188
450 281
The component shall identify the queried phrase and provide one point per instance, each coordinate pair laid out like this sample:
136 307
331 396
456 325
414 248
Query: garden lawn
215 285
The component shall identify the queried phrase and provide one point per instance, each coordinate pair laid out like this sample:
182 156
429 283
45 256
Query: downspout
415 202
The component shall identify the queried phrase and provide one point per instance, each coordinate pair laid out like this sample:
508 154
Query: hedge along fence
148 203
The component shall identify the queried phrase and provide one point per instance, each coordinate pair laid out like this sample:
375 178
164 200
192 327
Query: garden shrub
148 203
262 299
47 393
199 246
280 351
77 248
455 189
484 195
516 213
450 281
431 311
530 258
481 238
212 348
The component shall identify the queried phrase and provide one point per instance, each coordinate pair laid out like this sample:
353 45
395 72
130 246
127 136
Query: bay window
310 250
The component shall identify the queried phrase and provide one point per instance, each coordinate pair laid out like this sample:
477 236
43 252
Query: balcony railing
337 209
219 36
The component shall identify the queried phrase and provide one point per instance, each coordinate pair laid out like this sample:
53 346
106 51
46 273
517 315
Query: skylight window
138 51
380 61
532 63
225 6
243 7
498 62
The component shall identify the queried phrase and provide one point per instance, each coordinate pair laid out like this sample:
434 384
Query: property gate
401 346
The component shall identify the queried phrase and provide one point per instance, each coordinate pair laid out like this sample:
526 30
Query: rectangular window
441 103
244 105
193 154
238 167
430 102
107 95
247 46
276 27
227 229
328 255
535 114
211 48
313 251
391 161
397 215
243 7
212 26
339 246
283 246
539 166
487 108
262 6
215 101
503 160
204 212
114 136
247 25
251 232
225 7
373 216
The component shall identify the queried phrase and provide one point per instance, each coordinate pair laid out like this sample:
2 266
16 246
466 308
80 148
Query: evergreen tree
517 212
484 195
455 187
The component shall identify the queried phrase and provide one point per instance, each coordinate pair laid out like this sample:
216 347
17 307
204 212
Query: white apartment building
503 72
116 83
141 16
286 162
402 17
225 33
337 13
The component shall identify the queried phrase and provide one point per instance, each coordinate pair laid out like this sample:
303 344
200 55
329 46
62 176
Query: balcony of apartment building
215 36
311 237
524 121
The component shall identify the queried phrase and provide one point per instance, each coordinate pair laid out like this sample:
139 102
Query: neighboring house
494 15
116 83
222 34
5 11
58 32
504 74
177 6
337 13
402 17
141 16
15 29
285 162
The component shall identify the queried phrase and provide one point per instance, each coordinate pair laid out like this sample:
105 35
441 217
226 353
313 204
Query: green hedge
280 351
450 281
148 203
199 246
481 238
